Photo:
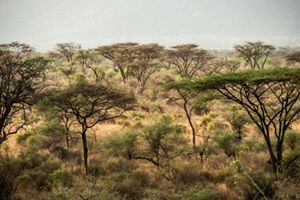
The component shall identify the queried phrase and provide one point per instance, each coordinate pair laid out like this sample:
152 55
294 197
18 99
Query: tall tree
190 62
270 97
21 78
255 54
89 105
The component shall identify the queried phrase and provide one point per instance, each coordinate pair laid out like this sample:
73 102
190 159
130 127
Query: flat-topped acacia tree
121 55
189 62
139 61
21 79
255 54
269 96
89 105
146 62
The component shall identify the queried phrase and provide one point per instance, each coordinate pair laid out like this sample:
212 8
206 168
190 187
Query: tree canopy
270 97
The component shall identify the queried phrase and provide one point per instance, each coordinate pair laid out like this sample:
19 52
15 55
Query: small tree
255 54
21 78
237 119
63 56
184 99
157 143
88 105
270 98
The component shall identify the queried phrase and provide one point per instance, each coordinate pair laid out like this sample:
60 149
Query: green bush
227 142
291 163
248 188
186 174
292 139
122 144
23 137
96 169
61 176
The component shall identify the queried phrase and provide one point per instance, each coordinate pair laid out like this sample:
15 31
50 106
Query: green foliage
292 139
249 187
121 144
227 142
163 140
23 137
185 173
158 142
133 186
245 77
61 176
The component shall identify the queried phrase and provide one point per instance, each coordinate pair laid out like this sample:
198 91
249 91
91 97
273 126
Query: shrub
61 176
122 144
119 165
227 142
292 139
21 138
291 164
248 188
187 174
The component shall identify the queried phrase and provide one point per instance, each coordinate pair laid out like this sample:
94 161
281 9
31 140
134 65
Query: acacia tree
255 54
145 63
90 59
189 62
237 118
89 105
293 57
21 79
270 98
121 55
63 54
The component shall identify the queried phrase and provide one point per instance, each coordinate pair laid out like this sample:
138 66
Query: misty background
213 24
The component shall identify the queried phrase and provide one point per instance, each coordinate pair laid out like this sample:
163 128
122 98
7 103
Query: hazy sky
209 23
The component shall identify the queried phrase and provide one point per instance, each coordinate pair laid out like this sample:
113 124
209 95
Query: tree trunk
271 152
279 156
123 75
85 151
190 123
67 139
3 119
